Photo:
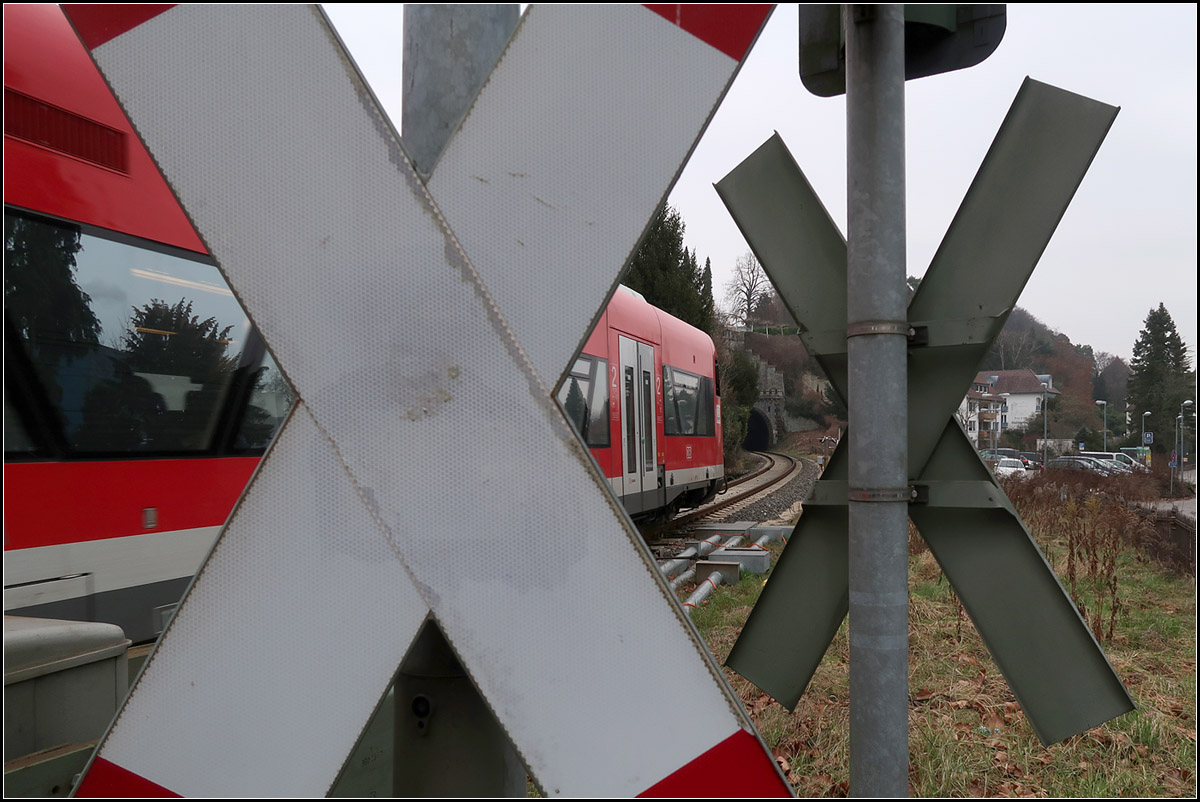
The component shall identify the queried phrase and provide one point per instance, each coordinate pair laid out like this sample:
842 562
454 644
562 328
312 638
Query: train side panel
693 451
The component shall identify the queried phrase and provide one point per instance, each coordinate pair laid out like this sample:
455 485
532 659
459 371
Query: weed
968 736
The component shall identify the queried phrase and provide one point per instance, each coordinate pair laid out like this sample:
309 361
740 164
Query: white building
1002 399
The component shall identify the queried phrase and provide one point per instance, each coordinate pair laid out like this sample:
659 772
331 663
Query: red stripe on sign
106 779
729 28
736 768
50 503
100 23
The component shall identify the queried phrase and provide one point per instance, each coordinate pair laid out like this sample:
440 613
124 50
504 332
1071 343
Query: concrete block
775 532
751 558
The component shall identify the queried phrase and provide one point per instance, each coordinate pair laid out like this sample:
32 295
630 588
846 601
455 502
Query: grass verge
967 734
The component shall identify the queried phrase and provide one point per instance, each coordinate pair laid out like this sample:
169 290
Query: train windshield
117 346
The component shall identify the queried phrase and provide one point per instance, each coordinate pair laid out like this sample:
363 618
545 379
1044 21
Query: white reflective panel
284 645
455 447
556 171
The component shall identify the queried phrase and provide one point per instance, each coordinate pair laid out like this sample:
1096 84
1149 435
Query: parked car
1117 456
1029 460
1008 466
1033 461
1079 464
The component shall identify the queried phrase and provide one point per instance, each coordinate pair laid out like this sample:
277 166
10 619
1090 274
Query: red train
645 396
138 399
136 404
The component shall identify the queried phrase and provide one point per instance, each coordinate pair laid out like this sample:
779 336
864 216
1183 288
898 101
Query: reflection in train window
16 438
270 399
134 348
584 398
687 403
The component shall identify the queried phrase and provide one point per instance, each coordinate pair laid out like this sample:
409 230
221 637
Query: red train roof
683 345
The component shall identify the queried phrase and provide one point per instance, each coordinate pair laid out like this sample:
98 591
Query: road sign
394 492
1148 438
1049 657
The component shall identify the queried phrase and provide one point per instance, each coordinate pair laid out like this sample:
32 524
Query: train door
638 443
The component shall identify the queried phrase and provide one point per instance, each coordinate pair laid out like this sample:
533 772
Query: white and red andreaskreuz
423 327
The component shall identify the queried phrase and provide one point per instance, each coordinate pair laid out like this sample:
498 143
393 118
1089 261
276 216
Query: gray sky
1128 240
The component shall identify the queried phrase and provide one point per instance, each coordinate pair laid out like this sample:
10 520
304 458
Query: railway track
741 492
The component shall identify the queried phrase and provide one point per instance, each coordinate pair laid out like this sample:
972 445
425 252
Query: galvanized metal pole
1104 405
449 51
1171 465
1142 442
878 391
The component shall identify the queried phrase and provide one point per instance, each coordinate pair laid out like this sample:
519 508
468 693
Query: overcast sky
1128 240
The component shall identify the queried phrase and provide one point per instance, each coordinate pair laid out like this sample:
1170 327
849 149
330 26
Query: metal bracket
837 492
866 328
880 494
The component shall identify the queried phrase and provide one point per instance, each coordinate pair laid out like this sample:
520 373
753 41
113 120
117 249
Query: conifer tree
708 305
664 271
1160 376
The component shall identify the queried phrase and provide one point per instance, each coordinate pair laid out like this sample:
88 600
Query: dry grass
967 734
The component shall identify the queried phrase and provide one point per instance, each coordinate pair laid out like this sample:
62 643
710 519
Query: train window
270 399
647 419
16 438
134 348
682 391
670 414
705 409
584 398
598 428
630 429
687 404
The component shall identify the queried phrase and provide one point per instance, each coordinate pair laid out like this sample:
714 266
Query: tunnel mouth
758 432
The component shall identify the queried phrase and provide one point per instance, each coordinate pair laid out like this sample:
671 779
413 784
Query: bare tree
747 287
1015 349
1103 360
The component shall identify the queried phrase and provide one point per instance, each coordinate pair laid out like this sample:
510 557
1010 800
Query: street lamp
1142 444
1045 426
1175 444
1175 455
1182 406
1105 405
1181 435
